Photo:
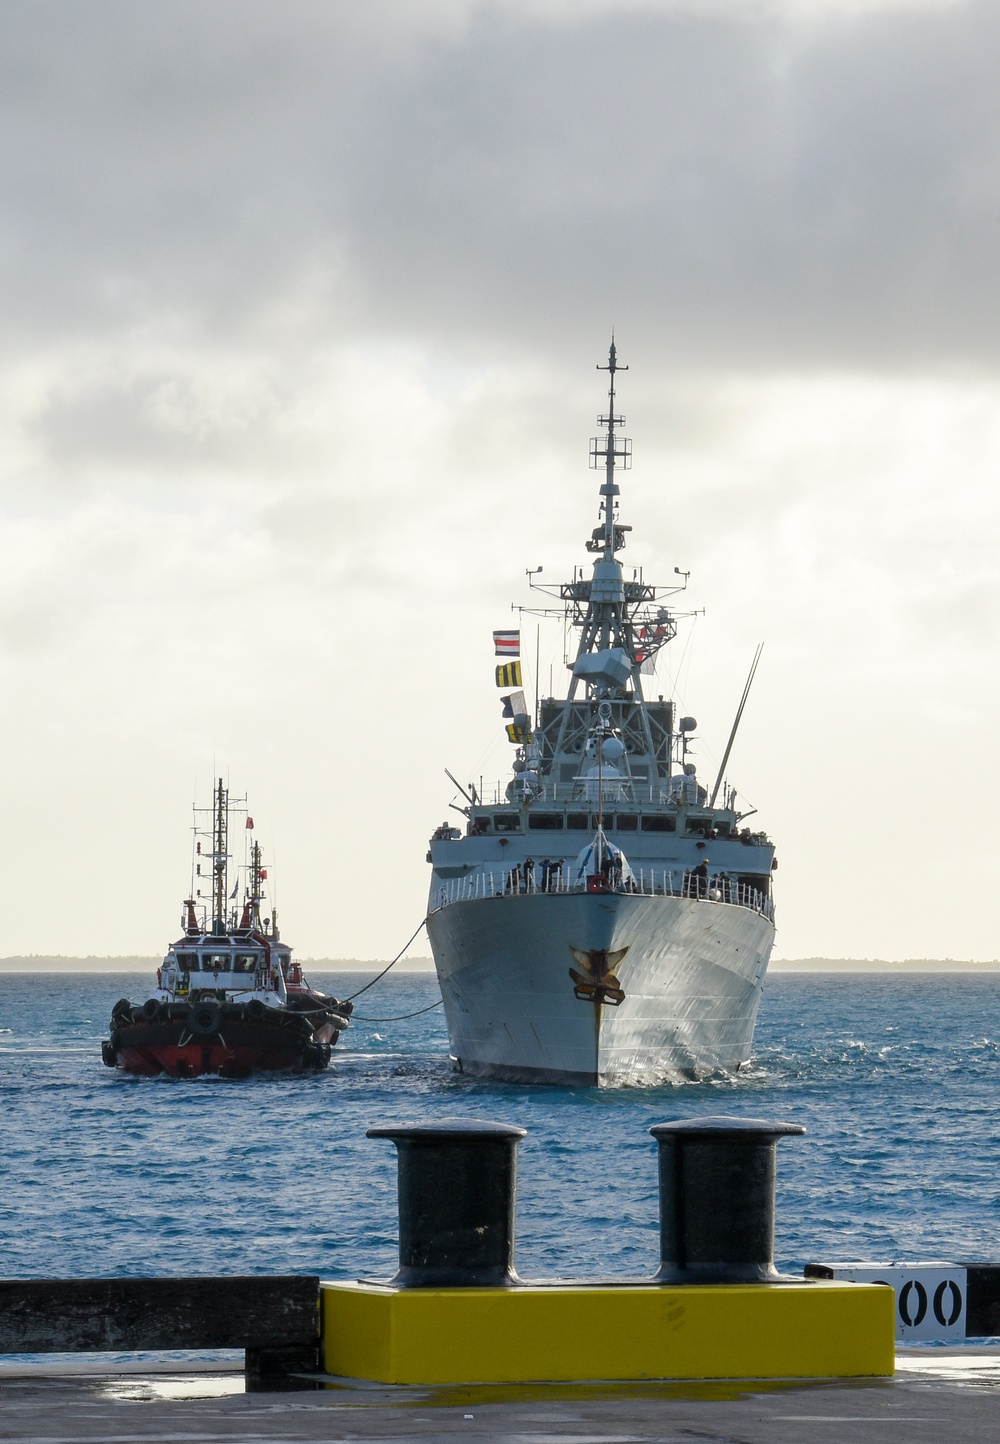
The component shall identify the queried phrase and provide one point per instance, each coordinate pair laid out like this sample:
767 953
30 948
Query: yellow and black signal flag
509 675
517 734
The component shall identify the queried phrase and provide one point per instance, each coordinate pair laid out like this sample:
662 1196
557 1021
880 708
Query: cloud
739 185
756 193
302 305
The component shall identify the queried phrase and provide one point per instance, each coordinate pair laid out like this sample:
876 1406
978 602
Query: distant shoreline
43 963
882 965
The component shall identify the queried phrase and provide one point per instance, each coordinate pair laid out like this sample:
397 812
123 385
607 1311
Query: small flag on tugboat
507 644
509 675
250 823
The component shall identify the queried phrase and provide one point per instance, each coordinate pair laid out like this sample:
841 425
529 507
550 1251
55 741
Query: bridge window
245 963
658 823
578 820
216 962
188 961
506 822
700 826
545 821
628 822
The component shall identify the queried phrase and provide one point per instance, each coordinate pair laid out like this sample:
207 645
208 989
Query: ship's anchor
598 983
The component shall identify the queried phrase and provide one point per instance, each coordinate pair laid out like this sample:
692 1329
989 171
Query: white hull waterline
600 919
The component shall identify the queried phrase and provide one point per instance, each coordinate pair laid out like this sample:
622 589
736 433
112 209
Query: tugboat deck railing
643 882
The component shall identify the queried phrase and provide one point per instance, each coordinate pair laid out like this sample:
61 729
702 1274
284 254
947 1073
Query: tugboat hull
237 1047
229 1000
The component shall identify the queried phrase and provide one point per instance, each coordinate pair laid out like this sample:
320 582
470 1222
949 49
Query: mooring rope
397 1017
382 974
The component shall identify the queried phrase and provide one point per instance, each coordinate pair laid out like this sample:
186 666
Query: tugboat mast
220 857
256 886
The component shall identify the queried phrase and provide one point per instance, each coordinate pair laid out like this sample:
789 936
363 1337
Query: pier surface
936 1394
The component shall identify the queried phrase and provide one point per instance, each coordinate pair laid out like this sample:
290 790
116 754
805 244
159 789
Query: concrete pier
936 1394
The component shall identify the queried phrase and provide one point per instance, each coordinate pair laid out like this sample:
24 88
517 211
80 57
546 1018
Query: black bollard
457 1190
717 1199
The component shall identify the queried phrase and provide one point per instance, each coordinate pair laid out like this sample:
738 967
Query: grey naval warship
601 920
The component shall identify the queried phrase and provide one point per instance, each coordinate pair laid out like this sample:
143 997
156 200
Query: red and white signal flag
507 644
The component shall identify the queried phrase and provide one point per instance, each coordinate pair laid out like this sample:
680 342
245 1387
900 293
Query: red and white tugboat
229 999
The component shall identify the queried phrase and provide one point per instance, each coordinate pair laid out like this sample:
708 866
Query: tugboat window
216 962
188 961
245 963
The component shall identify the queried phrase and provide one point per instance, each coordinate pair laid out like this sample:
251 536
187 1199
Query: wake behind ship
601 920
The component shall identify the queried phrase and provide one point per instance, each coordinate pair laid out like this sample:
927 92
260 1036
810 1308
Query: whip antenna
736 723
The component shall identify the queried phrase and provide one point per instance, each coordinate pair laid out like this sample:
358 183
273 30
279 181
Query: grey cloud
740 192
732 189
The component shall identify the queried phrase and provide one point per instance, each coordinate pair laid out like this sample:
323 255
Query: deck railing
584 790
642 882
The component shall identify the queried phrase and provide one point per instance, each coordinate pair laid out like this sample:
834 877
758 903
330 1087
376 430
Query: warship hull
596 989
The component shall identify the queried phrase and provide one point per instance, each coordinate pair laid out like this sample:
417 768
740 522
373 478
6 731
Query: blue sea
896 1079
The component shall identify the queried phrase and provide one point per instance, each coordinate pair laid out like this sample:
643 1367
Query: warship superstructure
601 919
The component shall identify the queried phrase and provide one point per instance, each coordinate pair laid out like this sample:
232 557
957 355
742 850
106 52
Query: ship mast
622 624
220 858
607 621
610 490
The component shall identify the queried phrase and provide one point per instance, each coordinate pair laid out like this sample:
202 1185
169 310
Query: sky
302 305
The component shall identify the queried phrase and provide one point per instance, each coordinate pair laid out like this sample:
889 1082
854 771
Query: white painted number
930 1298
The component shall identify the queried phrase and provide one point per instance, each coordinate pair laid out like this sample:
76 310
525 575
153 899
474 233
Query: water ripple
895 1079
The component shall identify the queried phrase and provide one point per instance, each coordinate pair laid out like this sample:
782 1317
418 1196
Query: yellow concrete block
810 1329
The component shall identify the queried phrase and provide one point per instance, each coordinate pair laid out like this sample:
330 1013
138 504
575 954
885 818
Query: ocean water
896 1079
